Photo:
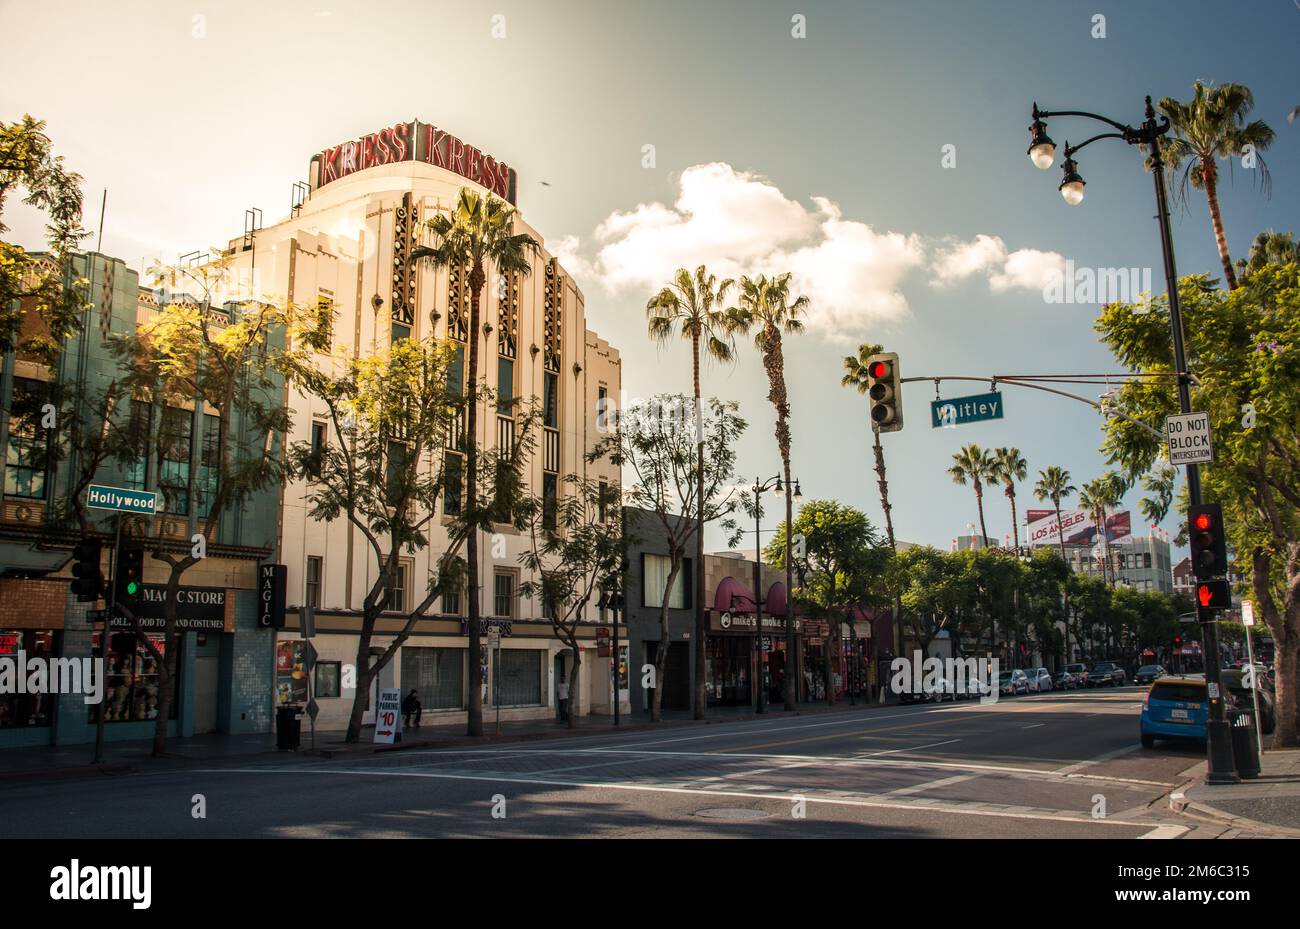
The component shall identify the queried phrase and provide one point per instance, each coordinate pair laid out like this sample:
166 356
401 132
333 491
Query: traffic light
1208 542
884 389
1178 641
128 576
1213 595
88 580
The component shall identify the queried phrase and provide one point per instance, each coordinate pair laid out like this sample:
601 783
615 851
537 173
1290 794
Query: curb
67 773
1179 802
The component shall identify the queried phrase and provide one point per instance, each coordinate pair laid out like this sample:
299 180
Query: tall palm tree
1098 496
1209 126
692 307
478 232
977 466
1009 466
855 375
1269 248
1054 484
765 306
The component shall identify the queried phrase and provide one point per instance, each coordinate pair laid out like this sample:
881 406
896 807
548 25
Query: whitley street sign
1188 438
100 497
958 411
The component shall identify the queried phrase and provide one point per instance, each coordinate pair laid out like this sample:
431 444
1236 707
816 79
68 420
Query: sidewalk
56 762
1271 800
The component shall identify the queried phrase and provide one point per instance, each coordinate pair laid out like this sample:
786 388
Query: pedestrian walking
563 693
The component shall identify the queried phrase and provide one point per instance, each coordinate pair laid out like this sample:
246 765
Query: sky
876 150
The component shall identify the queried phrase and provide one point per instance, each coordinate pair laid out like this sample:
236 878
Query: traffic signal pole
1221 767
103 641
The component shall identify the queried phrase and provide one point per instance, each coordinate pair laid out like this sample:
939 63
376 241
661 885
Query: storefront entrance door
205 694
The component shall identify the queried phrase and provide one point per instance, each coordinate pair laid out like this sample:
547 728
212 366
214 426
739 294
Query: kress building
348 239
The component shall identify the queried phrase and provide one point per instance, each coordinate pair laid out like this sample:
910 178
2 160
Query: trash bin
288 728
1245 747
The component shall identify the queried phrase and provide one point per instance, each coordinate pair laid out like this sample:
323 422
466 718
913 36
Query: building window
654 573
451 484
503 589
209 463
27 456
505 386
551 400
21 710
131 680
1146 559
451 602
602 409
311 587
518 676
400 333
137 468
437 673
550 499
396 600
317 448
328 678
174 444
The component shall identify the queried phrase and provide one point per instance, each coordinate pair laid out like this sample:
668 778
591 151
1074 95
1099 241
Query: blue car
1174 708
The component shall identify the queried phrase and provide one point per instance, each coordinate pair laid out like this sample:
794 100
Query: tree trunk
661 654
889 532
1209 175
701 633
979 502
364 679
475 716
827 673
573 686
1065 593
1285 626
1015 526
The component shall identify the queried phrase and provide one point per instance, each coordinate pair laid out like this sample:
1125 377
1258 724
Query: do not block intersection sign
1187 436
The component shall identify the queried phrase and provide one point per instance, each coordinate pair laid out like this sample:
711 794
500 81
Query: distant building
1142 563
963 543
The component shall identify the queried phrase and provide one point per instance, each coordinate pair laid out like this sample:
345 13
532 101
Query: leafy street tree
1242 348
692 306
1211 126
182 358
37 282
1010 466
478 233
572 561
843 567
977 466
654 442
765 306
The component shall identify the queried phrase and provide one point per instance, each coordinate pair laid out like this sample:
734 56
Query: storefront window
438 674
519 677
328 678
131 690
730 662
23 710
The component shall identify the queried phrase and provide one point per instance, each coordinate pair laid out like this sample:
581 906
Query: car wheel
1148 741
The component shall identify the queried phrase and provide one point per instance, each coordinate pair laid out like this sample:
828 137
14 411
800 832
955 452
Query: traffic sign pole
103 642
1248 620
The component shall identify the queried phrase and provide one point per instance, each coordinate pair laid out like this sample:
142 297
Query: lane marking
910 748
1034 726
755 793
930 785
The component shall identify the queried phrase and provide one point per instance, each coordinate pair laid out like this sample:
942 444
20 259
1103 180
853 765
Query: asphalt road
1037 766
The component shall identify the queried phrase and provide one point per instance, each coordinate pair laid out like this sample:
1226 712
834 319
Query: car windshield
1105 666
1006 675
1188 692
1075 668
1147 668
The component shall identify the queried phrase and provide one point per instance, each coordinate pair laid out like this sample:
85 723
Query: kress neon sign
414 141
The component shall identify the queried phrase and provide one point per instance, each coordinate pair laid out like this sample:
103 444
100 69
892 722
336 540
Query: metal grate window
438 674
518 674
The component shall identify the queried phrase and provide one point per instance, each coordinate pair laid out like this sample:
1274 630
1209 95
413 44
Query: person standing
562 692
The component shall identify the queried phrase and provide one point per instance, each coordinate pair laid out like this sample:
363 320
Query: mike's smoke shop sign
206 609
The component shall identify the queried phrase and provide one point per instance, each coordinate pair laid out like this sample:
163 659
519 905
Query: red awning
733 597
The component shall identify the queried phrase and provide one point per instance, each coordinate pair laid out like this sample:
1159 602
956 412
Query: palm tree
480 231
765 305
1269 248
1054 484
855 375
1213 125
1097 497
692 307
1009 466
974 464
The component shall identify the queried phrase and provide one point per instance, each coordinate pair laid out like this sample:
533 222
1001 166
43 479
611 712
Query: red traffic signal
1203 522
884 390
878 369
1208 543
1178 640
88 583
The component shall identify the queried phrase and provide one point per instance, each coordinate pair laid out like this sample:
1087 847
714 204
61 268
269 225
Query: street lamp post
611 598
1042 151
761 486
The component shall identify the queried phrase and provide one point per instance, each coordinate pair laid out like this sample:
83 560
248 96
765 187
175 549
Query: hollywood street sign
961 410
122 499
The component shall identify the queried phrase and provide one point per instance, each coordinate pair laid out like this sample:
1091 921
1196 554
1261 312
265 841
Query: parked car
1064 680
1234 681
1174 708
1040 679
1080 674
1148 673
1013 682
1107 672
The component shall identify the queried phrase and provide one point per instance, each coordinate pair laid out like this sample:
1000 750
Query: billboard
1078 527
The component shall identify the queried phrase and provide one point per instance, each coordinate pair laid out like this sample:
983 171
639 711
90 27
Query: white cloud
737 222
